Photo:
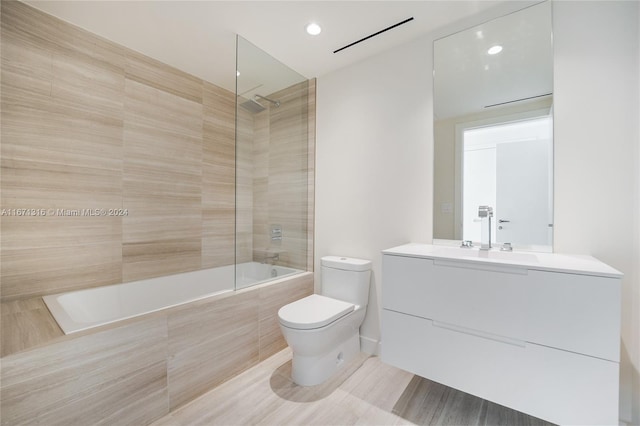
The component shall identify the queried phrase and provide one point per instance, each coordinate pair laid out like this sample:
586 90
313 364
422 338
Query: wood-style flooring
365 392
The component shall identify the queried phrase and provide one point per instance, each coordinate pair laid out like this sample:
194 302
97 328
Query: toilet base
313 370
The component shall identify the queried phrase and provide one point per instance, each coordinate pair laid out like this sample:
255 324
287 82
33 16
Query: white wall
596 141
375 163
373 151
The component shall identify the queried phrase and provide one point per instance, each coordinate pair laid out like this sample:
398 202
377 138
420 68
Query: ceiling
467 79
199 36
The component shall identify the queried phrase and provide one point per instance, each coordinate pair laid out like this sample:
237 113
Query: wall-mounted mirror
493 137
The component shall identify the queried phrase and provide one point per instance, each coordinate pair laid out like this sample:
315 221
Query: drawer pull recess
481 266
478 333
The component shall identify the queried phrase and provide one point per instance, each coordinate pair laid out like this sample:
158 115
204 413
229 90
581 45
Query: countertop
555 262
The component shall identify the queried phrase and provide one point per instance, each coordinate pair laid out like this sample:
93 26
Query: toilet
323 330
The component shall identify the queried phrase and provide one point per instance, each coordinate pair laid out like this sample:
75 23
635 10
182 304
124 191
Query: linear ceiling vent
374 34
519 100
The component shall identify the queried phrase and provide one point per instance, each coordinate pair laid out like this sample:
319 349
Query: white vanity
536 332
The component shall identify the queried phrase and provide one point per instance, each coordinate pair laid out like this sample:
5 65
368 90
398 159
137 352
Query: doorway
508 166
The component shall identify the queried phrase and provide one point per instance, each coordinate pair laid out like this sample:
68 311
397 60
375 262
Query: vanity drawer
490 298
406 285
578 313
555 385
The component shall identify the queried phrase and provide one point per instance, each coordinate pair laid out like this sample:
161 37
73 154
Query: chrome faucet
485 213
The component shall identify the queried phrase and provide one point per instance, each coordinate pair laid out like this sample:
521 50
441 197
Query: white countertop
575 264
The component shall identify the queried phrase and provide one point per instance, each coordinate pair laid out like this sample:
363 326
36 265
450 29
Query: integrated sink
475 253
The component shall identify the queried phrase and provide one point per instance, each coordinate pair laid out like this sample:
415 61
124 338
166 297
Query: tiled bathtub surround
280 171
136 372
89 124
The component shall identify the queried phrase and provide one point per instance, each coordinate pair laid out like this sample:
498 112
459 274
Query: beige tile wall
210 344
88 124
245 208
117 375
282 165
24 324
137 372
311 172
218 177
162 183
62 114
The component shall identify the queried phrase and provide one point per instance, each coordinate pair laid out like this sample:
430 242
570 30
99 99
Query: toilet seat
313 311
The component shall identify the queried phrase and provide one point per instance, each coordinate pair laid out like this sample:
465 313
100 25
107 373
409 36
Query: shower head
252 106
275 103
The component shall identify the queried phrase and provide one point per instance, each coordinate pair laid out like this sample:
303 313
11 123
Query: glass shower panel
272 170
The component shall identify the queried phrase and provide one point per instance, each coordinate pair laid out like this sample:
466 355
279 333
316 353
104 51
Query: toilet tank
346 278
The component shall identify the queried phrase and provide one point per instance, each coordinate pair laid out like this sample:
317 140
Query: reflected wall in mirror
493 137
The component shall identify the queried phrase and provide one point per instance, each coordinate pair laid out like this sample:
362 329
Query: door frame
460 128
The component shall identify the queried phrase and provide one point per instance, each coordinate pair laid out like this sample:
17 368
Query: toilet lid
313 311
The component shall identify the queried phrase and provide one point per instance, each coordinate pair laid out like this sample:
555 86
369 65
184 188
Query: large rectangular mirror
493 130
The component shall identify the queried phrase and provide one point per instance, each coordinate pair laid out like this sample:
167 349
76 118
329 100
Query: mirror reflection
493 137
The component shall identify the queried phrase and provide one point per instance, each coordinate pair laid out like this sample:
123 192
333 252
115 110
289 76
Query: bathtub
83 309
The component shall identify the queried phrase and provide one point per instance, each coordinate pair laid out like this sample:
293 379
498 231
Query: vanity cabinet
539 333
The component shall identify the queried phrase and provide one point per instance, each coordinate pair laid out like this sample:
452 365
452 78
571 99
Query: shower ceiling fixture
252 105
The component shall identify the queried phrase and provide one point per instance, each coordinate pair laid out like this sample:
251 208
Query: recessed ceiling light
313 28
493 50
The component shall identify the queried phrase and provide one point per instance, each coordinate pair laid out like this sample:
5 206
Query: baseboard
369 346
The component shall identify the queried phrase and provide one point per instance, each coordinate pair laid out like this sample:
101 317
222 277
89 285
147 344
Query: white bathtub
83 309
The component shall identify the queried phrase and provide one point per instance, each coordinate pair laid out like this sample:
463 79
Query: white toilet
323 331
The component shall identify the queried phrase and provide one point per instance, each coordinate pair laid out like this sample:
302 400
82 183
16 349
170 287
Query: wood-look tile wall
62 114
88 124
283 173
245 208
218 177
115 376
139 371
311 172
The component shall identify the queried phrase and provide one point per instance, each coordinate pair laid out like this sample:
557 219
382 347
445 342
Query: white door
523 192
479 185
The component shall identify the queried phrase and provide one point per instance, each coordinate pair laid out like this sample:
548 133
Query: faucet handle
485 211
466 244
